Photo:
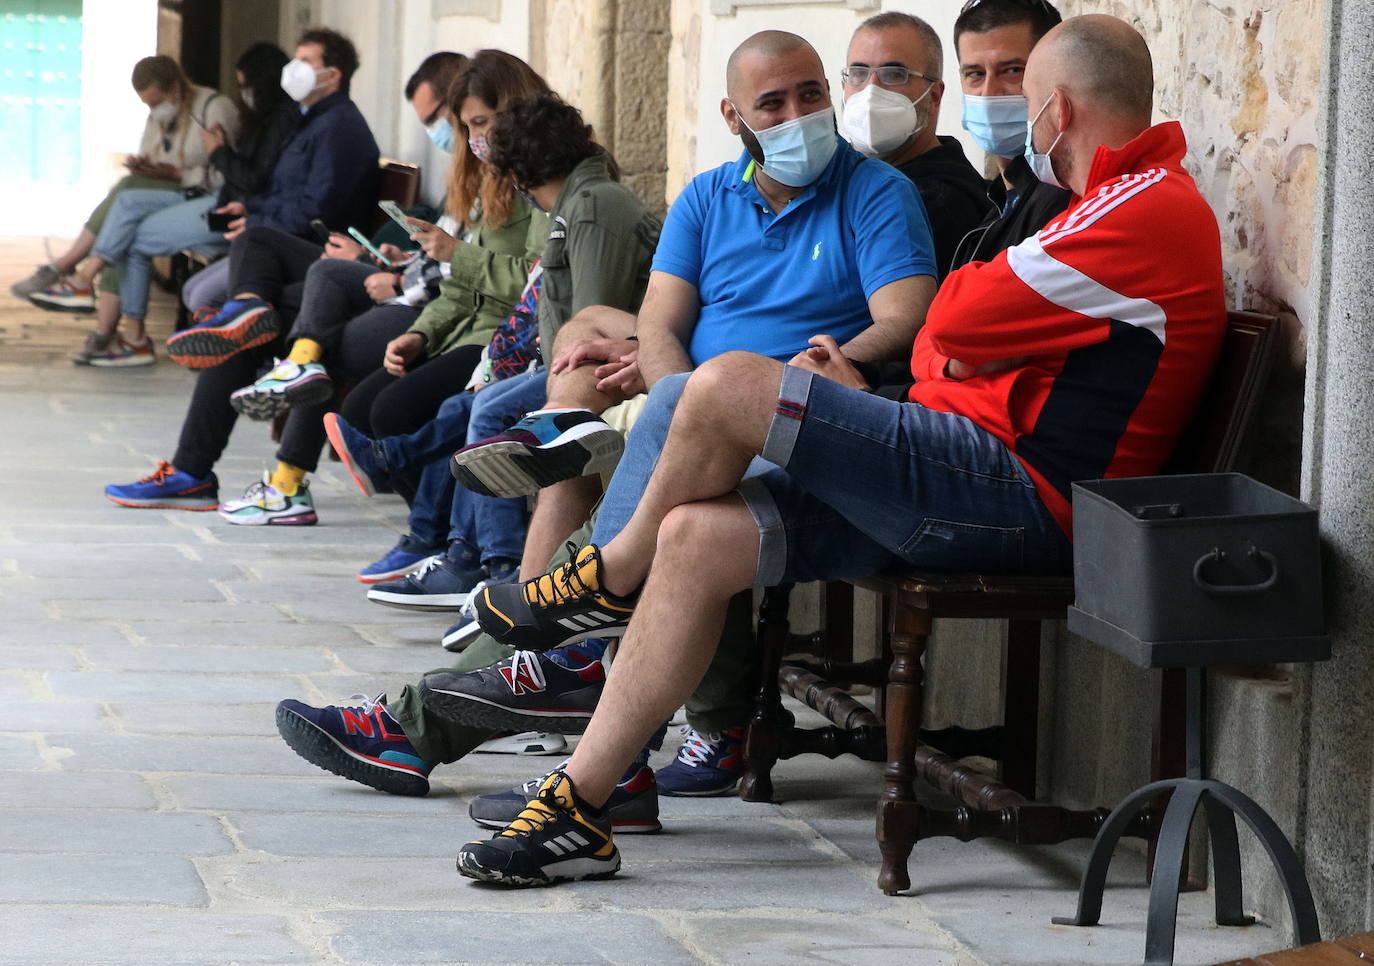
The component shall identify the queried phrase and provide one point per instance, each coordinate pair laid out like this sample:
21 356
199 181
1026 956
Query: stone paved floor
151 816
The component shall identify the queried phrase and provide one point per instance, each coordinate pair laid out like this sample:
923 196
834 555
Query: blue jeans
491 526
934 491
145 222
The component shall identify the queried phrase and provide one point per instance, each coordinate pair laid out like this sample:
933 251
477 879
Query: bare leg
719 425
562 508
107 313
707 552
90 268
66 262
135 328
576 389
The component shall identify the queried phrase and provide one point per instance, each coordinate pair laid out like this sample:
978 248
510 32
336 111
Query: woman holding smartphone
172 164
143 223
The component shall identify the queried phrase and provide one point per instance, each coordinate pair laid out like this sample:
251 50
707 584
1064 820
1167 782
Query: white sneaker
525 743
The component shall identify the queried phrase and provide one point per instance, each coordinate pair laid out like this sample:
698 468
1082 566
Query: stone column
1334 832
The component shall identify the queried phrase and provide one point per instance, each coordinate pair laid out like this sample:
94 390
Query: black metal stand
1222 804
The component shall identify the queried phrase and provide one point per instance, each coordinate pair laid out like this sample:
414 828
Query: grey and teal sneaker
262 504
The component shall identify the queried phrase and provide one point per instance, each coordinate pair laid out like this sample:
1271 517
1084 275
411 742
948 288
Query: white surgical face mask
878 121
247 95
1040 163
300 80
997 124
795 152
164 112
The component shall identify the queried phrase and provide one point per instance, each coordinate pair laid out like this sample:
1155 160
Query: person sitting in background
172 160
147 222
188 482
892 98
327 169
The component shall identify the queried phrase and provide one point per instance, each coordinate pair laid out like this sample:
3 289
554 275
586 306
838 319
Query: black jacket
247 169
954 193
1037 204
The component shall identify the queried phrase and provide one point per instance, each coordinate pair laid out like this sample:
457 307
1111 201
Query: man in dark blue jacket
328 167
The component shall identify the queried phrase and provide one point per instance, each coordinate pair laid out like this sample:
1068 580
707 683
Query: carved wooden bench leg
1021 706
899 816
763 741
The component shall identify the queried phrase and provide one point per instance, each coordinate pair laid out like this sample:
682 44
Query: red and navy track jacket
1115 313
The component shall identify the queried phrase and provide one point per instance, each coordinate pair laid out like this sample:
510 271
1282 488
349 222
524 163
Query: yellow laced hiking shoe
555 839
563 607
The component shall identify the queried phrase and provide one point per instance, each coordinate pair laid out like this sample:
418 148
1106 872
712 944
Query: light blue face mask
997 124
1039 163
441 133
795 152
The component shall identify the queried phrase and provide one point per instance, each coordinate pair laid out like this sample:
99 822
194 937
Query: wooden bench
1347 951
1002 805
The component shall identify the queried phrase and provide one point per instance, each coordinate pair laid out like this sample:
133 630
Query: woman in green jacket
502 238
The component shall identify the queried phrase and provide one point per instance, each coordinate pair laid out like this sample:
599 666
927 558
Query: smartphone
321 230
394 212
361 239
220 222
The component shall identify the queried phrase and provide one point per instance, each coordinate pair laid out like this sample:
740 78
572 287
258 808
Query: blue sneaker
632 807
707 764
361 455
528 691
545 447
167 488
400 560
361 742
241 324
441 583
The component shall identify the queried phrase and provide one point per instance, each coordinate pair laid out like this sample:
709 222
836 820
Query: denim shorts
861 484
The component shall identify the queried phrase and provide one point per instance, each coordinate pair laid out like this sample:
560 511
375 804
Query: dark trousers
385 405
334 294
210 419
264 261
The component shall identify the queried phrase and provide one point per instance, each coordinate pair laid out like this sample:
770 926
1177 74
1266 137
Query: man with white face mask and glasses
993 40
892 96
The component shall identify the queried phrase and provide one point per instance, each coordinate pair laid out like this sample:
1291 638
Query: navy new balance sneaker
545 447
550 691
633 806
706 765
557 837
360 742
441 583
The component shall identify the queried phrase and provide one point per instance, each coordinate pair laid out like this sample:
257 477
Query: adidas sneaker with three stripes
563 607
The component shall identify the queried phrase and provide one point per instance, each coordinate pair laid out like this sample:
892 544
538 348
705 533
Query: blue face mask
795 152
997 124
441 133
1041 164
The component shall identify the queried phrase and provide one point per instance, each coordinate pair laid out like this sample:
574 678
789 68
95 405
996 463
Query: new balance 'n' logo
520 680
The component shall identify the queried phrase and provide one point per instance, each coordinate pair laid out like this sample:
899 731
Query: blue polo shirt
768 282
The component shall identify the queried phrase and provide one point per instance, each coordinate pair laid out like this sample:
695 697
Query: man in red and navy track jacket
1112 317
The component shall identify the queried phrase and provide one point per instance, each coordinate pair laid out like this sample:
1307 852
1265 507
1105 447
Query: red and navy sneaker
706 765
550 691
547 446
633 806
361 742
557 837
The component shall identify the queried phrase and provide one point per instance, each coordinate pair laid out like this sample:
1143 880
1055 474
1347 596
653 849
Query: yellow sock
305 350
287 478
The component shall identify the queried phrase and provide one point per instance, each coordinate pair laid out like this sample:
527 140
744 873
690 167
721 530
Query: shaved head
767 45
1102 61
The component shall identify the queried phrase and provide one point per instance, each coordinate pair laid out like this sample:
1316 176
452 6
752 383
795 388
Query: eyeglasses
890 76
1044 5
